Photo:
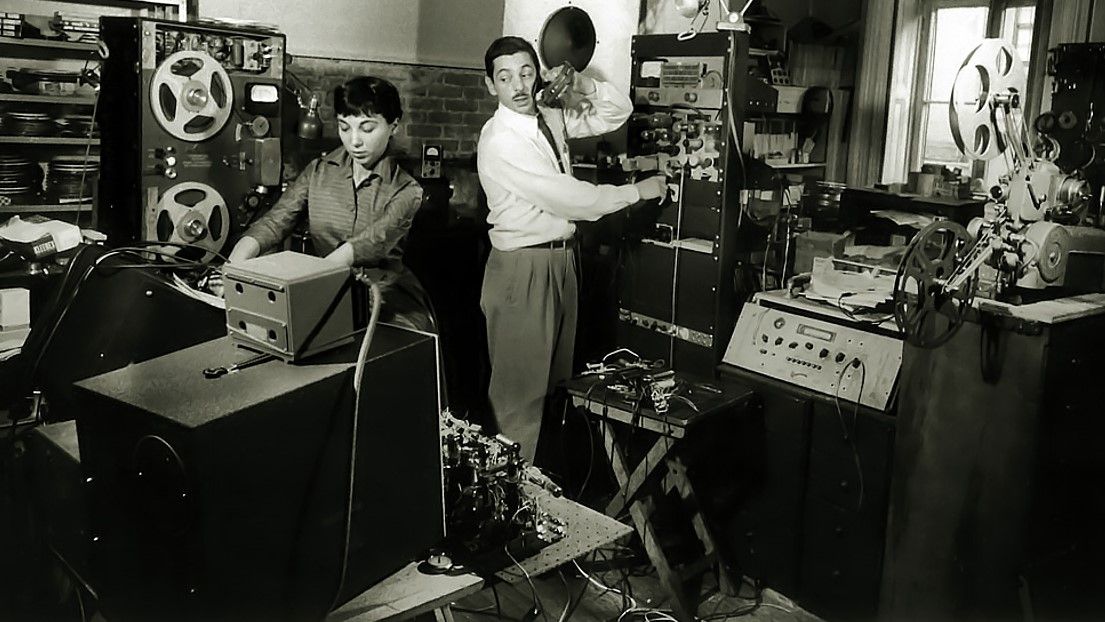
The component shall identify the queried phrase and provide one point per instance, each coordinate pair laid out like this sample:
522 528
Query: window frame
926 55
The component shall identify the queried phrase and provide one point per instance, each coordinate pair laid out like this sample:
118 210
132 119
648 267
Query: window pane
939 146
958 30
1016 28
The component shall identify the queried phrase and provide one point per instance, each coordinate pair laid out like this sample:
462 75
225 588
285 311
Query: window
950 30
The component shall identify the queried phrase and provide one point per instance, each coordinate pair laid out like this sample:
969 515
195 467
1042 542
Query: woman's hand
246 248
342 255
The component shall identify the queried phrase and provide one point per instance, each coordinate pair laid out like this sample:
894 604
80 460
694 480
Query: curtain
869 111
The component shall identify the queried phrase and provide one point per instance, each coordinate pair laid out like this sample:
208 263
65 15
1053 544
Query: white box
15 308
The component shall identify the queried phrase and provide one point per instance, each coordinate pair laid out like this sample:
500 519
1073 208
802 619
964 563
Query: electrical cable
675 266
577 600
137 247
790 223
568 591
600 584
358 376
849 437
590 453
537 604
104 53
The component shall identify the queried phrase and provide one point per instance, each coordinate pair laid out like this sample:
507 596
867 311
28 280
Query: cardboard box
790 98
811 244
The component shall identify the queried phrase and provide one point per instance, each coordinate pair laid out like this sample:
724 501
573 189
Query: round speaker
568 35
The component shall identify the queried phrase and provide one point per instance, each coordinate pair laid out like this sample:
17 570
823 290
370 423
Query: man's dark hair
505 46
368 95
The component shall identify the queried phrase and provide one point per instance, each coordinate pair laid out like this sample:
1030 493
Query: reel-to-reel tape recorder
191 131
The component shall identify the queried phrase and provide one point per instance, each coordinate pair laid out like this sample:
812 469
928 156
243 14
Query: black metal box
225 498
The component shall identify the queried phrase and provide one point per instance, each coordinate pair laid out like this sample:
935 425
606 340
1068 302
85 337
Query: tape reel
191 96
192 213
990 78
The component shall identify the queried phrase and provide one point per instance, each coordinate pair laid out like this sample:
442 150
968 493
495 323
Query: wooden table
407 594
713 398
410 593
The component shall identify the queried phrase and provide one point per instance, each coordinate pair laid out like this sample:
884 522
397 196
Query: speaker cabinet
225 498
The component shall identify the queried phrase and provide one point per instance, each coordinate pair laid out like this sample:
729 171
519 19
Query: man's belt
554 244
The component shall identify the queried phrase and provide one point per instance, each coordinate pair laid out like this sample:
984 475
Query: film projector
192 144
1033 242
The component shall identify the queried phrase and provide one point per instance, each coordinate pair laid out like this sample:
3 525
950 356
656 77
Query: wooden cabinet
814 524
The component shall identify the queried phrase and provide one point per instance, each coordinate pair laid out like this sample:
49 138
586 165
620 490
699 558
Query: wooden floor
594 603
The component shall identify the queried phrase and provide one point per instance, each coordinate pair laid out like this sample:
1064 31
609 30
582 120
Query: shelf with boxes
50 155
791 133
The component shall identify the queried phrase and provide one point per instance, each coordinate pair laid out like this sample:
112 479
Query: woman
358 202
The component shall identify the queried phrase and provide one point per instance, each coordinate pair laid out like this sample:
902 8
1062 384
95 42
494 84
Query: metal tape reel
1049 245
191 96
991 72
924 309
192 213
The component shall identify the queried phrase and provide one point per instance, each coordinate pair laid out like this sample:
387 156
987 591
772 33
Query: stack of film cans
20 179
71 178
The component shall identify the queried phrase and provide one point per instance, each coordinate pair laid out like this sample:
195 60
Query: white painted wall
451 33
615 24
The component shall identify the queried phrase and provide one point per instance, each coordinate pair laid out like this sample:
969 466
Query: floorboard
596 604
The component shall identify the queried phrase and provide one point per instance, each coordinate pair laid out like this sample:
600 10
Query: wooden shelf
43 208
70 100
797 166
48 140
43 48
757 52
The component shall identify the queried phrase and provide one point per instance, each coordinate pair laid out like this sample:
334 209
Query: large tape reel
925 308
191 96
988 80
192 213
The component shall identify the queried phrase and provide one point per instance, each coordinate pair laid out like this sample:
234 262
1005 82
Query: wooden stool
661 461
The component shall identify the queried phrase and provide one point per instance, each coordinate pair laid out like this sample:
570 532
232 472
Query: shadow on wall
447 250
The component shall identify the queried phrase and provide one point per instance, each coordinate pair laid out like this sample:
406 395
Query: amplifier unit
268 308
817 348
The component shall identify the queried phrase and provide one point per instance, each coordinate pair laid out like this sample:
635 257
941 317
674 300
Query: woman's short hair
368 95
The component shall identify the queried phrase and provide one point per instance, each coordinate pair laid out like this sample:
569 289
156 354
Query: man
529 293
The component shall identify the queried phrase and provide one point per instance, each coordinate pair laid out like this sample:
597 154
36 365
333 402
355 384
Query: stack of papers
853 287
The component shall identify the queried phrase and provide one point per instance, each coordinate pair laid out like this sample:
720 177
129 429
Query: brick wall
441 105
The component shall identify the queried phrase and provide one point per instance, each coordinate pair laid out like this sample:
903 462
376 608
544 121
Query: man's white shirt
530 200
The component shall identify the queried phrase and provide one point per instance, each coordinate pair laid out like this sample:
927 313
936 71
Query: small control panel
696 81
666 328
819 354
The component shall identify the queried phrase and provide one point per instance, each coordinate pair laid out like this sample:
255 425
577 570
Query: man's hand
570 87
246 248
655 187
583 85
